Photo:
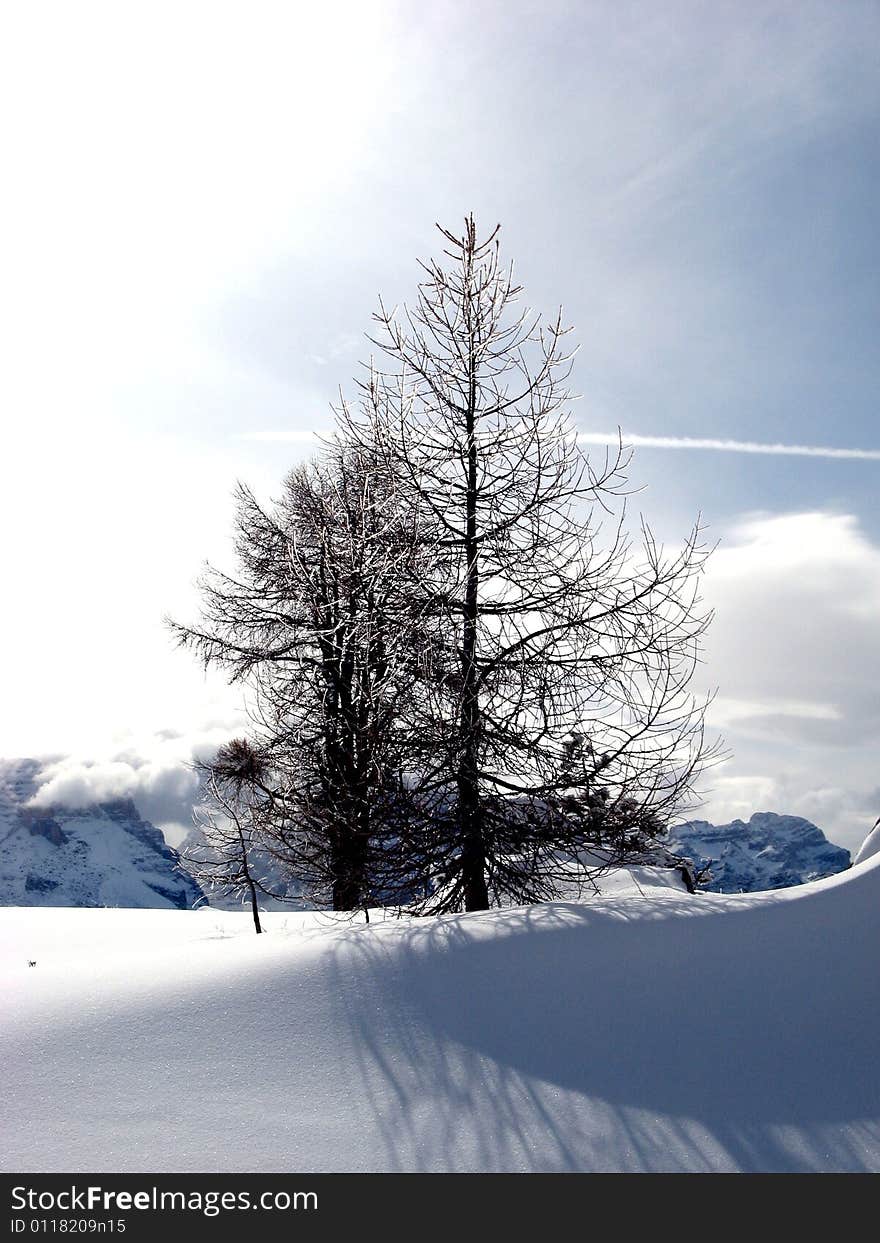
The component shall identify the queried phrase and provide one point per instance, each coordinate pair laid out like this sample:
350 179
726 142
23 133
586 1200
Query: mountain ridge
769 851
105 854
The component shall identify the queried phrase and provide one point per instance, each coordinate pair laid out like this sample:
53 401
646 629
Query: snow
647 1029
870 846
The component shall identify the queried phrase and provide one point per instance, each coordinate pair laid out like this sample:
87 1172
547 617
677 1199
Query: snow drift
649 1031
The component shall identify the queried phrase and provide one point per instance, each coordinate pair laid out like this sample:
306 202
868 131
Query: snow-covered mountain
102 855
768 852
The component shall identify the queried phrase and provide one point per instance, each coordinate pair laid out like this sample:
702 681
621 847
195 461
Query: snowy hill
648 1031
769 852
102 855
870 846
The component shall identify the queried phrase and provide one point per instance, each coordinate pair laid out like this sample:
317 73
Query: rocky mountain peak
104 854
770 851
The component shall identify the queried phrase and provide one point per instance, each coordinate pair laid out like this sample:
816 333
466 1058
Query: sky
204 203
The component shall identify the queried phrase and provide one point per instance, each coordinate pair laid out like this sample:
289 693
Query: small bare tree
552 707
224 856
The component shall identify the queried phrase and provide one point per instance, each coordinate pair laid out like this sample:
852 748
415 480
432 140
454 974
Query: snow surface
870 846
648 1030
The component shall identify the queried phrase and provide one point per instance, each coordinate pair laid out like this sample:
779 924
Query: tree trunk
249 880
346 894
473 856
255 910
349 863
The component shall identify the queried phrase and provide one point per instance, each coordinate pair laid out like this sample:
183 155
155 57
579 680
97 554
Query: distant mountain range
108 855
766 852
102 855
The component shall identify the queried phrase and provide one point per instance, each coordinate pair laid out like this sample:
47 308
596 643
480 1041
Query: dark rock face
46 826
39 884
768 852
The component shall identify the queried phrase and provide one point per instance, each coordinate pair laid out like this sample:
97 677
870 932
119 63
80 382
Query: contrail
638 442
727 446
300 437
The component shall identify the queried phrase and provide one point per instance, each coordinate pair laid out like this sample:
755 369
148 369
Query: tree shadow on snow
577 1037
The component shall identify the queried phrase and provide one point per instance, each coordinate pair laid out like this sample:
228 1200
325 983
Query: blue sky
208 199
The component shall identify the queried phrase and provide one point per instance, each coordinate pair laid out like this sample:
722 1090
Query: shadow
657 1034
622 1036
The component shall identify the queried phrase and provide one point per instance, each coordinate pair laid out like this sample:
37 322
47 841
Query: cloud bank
795 655
155 771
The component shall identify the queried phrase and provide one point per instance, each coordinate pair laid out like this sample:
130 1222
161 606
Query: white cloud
795 655
155 771
725 711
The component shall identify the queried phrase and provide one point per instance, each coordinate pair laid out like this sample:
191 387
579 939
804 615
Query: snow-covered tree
316 622
467 673
553 702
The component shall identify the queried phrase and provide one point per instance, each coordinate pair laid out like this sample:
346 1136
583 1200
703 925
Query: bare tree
552 708
223 858
470 681
316 624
